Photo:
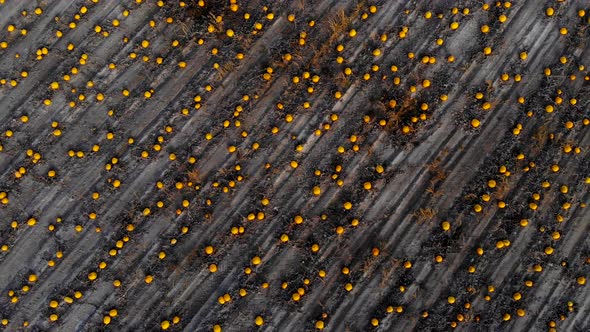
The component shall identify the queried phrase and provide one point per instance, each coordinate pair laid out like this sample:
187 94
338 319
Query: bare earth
220 161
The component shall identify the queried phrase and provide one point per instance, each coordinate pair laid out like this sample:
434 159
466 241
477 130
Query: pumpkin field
294 165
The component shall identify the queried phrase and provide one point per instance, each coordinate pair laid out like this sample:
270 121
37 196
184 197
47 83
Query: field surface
294 165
